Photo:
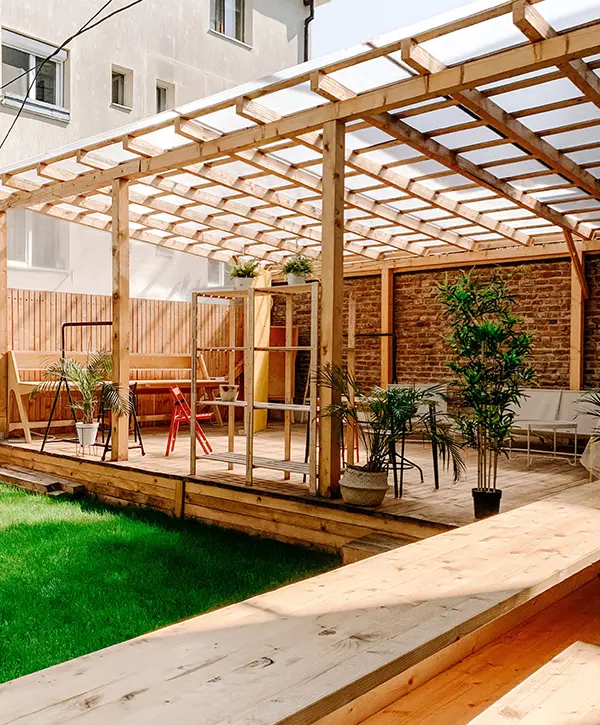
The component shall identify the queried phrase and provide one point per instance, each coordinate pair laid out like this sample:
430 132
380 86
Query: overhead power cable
89 25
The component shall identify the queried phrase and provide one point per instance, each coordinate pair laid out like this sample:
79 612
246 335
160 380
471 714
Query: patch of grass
77 576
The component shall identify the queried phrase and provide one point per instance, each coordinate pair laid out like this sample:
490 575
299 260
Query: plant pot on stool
486 503
86 433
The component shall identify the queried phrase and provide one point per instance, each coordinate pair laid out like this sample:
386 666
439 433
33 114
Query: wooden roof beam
432 149
507 125
535 27
286 170
570 45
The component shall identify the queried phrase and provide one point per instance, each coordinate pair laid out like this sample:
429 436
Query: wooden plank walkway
338 645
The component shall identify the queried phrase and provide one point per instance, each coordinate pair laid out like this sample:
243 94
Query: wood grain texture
295 655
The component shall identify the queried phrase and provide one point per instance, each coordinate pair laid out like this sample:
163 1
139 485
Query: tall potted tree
382 417
92 388
490 358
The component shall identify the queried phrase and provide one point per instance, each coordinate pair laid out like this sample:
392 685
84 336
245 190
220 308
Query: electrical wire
89 25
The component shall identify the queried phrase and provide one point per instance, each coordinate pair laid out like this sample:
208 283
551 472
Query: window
37 241
27 74
228 18
165 96
215 276
121 93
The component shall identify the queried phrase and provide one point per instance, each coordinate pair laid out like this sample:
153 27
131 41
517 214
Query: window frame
169 91
217 24
27 263
36 49
127 75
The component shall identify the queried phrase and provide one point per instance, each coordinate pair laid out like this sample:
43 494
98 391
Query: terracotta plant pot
486 503
363 488
86 433
293 279
243 282
229 393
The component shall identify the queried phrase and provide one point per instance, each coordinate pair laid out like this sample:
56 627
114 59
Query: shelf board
228 403
296 407
270 463
222 349
281 348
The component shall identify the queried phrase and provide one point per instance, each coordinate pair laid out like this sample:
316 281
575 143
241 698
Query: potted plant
243 271
382 418
490 358
296 268
229 393
93 387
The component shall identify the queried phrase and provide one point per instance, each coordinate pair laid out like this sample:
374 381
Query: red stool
182 413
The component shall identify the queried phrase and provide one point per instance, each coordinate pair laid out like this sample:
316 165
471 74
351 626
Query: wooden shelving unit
247 298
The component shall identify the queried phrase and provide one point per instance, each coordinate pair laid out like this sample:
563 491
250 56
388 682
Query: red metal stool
182 413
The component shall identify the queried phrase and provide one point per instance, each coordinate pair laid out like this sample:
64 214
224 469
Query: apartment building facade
150 58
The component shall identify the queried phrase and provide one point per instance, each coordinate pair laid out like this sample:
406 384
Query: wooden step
38 482
371 545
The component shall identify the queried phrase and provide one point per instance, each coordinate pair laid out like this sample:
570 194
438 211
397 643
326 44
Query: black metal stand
63 381
133 420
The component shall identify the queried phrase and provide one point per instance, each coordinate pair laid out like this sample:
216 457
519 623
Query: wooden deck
477 683
451 505
337 648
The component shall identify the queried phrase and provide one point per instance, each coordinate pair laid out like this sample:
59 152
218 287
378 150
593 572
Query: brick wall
591 358
368 319
543 291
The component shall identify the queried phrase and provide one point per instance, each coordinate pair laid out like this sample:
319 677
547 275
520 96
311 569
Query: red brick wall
543 291
368 319
591 360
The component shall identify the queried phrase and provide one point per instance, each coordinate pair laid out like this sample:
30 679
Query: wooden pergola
473 140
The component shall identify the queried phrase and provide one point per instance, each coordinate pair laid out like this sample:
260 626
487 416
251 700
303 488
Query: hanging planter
296 269
243 271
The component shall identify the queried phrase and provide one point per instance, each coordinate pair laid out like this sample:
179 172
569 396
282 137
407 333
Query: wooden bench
26 370
563 692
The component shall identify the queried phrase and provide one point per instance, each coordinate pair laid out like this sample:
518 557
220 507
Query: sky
342 23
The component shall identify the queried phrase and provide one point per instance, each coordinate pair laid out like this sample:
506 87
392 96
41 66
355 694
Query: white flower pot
229 393
296 279
243 282
363 488
86 433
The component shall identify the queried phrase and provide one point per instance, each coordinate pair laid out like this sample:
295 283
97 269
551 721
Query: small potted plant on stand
296 268
382 418
490 357
92 387
243 271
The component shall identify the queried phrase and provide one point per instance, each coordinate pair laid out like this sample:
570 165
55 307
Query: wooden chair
182 413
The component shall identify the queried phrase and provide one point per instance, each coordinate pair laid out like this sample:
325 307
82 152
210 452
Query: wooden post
332 290
577 324
387 321
194 383
231 379
249 380
289 381
351 366
4 394
120 312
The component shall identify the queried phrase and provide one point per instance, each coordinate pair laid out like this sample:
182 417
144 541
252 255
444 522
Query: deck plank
296 654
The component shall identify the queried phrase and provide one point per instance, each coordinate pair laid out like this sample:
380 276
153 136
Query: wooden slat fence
157 326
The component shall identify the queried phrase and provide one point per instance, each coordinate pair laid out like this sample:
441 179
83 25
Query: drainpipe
311 16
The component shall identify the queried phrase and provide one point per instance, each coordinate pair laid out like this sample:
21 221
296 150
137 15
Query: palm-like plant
591 402
383 417
91 380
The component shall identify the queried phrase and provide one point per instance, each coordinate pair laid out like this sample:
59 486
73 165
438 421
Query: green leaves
245 267
90 383
298 264
490 358
382 417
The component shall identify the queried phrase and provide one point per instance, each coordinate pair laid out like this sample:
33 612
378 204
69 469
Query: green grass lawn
76 576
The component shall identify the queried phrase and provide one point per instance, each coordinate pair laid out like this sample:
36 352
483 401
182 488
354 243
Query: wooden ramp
339 647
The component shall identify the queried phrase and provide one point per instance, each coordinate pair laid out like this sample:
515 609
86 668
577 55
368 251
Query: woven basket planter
363 488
